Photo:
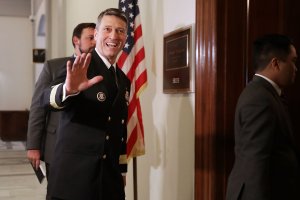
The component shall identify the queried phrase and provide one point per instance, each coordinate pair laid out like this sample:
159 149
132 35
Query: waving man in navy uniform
90 155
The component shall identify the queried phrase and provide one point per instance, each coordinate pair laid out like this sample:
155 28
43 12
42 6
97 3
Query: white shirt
106 62
276 87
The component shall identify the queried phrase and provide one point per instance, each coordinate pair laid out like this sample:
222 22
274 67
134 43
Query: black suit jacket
266 164
42 124
90 152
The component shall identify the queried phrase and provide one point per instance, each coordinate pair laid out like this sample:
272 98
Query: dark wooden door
13 125
225 30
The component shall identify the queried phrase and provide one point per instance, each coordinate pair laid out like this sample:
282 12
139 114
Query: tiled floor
17 179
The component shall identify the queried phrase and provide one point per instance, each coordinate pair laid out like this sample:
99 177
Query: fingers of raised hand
81 62
69 66
81 59
76 64
87 60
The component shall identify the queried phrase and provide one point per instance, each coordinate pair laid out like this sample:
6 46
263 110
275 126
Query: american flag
132 62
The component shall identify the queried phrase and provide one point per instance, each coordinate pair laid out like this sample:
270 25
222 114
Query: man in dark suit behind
267 164
90 154
42 124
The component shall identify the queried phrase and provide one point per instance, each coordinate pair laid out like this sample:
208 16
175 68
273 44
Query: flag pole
135 192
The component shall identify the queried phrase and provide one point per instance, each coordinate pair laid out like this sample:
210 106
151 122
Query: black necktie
113 72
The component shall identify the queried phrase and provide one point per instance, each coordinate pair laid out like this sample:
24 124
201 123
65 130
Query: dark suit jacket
90 152
42 124
266 163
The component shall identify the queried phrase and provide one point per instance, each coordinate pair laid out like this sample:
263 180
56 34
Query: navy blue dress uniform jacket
267 164
90 152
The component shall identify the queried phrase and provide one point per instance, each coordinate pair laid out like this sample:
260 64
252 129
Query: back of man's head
270 46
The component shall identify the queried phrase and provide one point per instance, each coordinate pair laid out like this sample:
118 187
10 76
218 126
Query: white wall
39 39
56 40
166 172
168 166
16 67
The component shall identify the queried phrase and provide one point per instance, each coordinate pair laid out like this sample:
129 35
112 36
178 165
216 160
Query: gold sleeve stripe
123 159
52 97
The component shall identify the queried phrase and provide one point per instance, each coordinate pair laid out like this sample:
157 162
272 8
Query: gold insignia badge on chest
101 96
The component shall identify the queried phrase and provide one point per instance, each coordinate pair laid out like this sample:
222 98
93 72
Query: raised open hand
76 79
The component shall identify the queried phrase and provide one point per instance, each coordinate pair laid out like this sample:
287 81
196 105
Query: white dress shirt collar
106 62
276 87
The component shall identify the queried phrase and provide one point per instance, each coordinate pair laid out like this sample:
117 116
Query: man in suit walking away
90 154
267 164
42 124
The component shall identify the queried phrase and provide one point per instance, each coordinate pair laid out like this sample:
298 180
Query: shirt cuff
64 97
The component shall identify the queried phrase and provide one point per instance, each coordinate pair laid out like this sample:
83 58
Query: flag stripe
131 141
131 107
122 59
140 83
138 58
139 114
138 33
134 132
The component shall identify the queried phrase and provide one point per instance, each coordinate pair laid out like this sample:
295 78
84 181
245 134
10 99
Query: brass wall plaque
177 76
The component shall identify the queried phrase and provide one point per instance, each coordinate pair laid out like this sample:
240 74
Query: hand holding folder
39 172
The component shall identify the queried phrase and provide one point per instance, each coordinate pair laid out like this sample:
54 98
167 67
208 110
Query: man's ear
275 63
75 40
95 34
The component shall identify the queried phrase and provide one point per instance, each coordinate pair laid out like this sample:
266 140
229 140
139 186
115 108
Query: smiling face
110 37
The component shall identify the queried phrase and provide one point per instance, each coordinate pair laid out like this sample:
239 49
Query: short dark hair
112 11
269 46
79 28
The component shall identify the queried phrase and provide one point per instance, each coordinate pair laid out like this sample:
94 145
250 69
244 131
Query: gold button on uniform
107 137
104 156
109 118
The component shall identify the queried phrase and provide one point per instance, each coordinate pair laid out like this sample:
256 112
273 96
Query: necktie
113 72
